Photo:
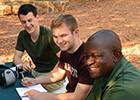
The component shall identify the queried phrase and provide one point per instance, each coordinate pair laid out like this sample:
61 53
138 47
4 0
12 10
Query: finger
29 67
30 94
24 83
27 92
25 68
29 81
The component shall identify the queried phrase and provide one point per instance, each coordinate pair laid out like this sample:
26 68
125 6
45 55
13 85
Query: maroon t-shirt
77 71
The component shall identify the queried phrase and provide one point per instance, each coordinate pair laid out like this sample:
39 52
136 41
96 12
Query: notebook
22 90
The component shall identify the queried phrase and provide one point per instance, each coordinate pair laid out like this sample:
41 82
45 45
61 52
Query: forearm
17 57
80 93
43 79
35 95
50 78
17 61
62 96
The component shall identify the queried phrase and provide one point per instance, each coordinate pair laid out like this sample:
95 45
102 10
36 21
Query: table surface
10 92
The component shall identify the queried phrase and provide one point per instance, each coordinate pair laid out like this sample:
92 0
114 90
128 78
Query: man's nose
59 40
27 24
90 61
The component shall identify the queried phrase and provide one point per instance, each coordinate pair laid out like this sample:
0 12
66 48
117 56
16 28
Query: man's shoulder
44 31
23 33
42 28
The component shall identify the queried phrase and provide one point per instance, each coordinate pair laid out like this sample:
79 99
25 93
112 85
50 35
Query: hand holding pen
26 81
23 77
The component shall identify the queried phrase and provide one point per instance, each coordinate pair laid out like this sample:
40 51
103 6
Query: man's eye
64 35
86 56
23 22
30 20
96 56
54 36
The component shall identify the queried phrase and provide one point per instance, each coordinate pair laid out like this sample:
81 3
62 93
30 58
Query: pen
24 96
23 77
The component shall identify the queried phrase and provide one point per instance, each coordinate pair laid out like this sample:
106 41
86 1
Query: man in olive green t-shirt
115 77
38 43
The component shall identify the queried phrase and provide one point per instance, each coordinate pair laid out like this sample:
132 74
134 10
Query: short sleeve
84 75
19 45
61 64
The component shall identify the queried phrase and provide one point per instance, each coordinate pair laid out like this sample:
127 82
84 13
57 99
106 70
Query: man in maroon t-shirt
75 68
71 64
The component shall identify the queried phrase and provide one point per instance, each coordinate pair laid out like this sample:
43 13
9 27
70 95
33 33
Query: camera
18 70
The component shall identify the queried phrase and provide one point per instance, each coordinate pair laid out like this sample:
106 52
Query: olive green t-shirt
122 84
42 52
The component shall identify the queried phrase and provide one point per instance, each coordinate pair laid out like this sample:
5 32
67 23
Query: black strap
3 66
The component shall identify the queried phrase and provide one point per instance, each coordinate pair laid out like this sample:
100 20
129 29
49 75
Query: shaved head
102 53
106 38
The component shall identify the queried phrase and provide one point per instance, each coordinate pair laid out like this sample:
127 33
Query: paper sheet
21 90
1 59
13 69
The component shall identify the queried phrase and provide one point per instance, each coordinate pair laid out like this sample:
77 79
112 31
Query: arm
80 93
17 60
57 74
17 57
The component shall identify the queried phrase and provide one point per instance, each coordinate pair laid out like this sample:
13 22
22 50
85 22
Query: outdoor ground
120 16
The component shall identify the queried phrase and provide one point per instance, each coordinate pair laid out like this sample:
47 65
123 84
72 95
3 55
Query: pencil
23 77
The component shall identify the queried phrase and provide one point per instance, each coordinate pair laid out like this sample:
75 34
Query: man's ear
76 32
116 56
37 17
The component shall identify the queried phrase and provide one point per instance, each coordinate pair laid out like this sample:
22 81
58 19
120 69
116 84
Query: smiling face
99 60
64 38
29 22
102 53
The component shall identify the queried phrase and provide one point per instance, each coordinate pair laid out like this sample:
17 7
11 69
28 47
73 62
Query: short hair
26 8
67 19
